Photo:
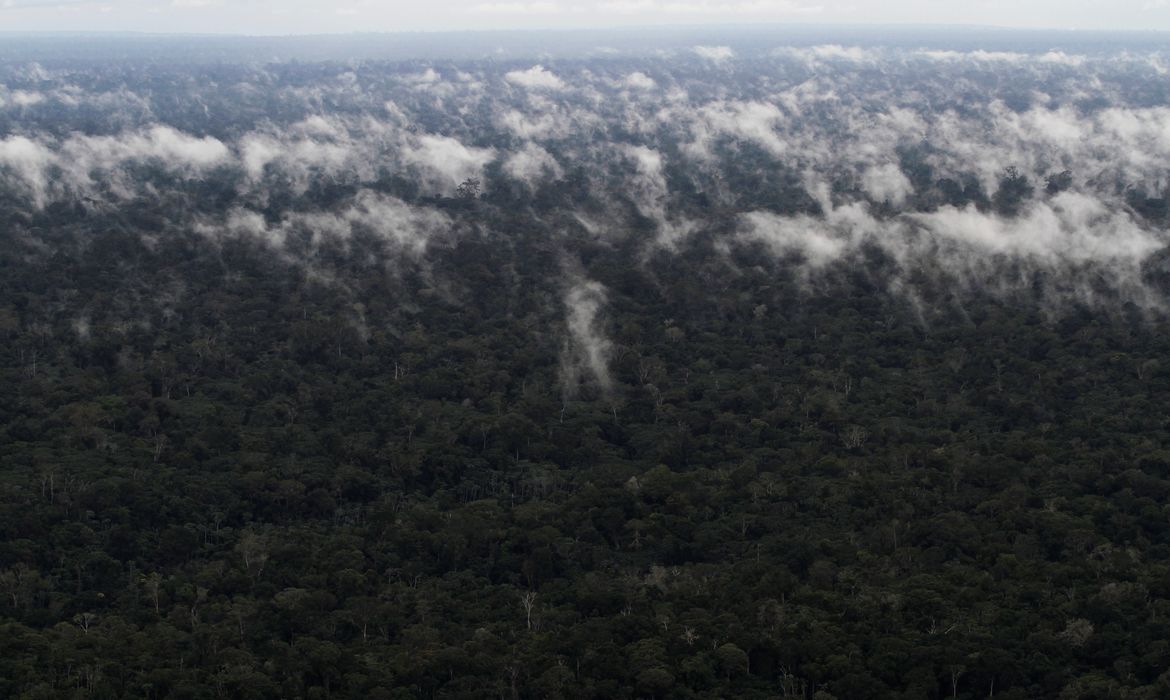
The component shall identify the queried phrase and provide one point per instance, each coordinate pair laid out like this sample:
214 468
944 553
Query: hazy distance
273 17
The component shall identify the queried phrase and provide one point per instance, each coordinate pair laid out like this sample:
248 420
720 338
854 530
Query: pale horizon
305 17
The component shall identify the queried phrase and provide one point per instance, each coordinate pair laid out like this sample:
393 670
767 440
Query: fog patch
533 165
717 54
27 161
446 161
1071 228
886 183
401 226
639 81
807 236
752 121
829 53
1081 242
536 77
587 349
648 190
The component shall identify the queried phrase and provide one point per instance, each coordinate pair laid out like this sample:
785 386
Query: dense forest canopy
696 369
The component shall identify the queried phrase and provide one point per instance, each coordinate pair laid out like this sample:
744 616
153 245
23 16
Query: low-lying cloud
586 352
813 154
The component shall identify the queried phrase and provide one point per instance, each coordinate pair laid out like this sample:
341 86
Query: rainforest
742 365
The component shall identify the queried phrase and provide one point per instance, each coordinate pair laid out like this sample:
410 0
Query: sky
282 17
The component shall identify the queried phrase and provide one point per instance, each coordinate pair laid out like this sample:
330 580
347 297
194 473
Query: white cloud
298 157
639 81
175 146
831 52
587 347
533 164
401 226
426 77
535 77
627 132
1062 58
1072 228
806 235
977 55
446 161
886 183
26 98
750 121
714 53
29 161
648 190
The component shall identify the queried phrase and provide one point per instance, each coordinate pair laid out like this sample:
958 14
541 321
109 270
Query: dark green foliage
1014 190
1058 182
267 494
331 468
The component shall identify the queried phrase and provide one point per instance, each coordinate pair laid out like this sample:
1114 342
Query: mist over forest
745 363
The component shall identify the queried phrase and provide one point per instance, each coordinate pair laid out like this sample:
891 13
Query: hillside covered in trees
700 371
